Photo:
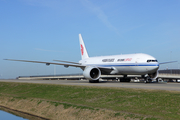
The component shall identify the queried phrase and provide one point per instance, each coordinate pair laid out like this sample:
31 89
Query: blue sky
48 29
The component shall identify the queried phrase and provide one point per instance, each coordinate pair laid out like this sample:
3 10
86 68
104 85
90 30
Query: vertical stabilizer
84 53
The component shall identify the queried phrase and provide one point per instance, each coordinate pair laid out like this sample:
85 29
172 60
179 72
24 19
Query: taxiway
154 86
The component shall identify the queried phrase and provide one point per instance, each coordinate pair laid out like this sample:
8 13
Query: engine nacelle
154 75
92 73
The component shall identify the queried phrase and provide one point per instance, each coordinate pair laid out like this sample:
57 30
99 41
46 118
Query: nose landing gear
147 79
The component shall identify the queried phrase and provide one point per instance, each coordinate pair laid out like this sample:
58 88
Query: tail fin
84 53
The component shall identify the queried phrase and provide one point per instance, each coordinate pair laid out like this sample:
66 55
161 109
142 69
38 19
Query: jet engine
92 73
154 75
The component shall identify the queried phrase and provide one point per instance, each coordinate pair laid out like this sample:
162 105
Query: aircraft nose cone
155 68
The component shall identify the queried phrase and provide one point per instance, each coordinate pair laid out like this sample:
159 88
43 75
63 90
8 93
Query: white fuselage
128 64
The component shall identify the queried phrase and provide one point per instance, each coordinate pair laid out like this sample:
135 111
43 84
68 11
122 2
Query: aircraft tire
125 80
147 80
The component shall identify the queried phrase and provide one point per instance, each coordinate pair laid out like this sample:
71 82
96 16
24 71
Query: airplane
127 64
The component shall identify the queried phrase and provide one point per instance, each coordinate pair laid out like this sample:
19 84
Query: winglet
84 53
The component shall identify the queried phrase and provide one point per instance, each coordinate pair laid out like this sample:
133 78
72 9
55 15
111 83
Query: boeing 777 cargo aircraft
127 64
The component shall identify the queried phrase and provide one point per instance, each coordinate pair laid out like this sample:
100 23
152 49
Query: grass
66 105
151 103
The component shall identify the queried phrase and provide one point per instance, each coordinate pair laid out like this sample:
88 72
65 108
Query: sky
45 30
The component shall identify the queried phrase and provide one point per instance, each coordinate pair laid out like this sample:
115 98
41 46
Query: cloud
39 49
100 14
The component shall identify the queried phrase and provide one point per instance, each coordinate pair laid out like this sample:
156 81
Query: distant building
170 71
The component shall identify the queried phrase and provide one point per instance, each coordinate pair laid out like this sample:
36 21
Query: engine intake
92 73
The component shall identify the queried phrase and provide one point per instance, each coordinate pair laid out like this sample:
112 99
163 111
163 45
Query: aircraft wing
104 70
66 61
48 63
167 62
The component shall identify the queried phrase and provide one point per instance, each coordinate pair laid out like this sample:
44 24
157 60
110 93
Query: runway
154 86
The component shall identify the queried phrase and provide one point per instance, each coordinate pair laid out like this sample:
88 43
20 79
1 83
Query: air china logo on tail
82 50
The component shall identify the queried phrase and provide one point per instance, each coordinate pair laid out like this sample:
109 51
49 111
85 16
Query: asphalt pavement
154 86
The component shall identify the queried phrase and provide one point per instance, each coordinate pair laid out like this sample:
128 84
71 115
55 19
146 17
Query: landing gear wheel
125 80
147 80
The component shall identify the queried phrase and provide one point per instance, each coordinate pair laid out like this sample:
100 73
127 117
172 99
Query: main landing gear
125 79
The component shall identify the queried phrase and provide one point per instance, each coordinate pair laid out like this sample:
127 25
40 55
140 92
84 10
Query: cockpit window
152 61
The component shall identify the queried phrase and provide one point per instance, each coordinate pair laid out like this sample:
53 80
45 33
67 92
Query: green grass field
152 103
